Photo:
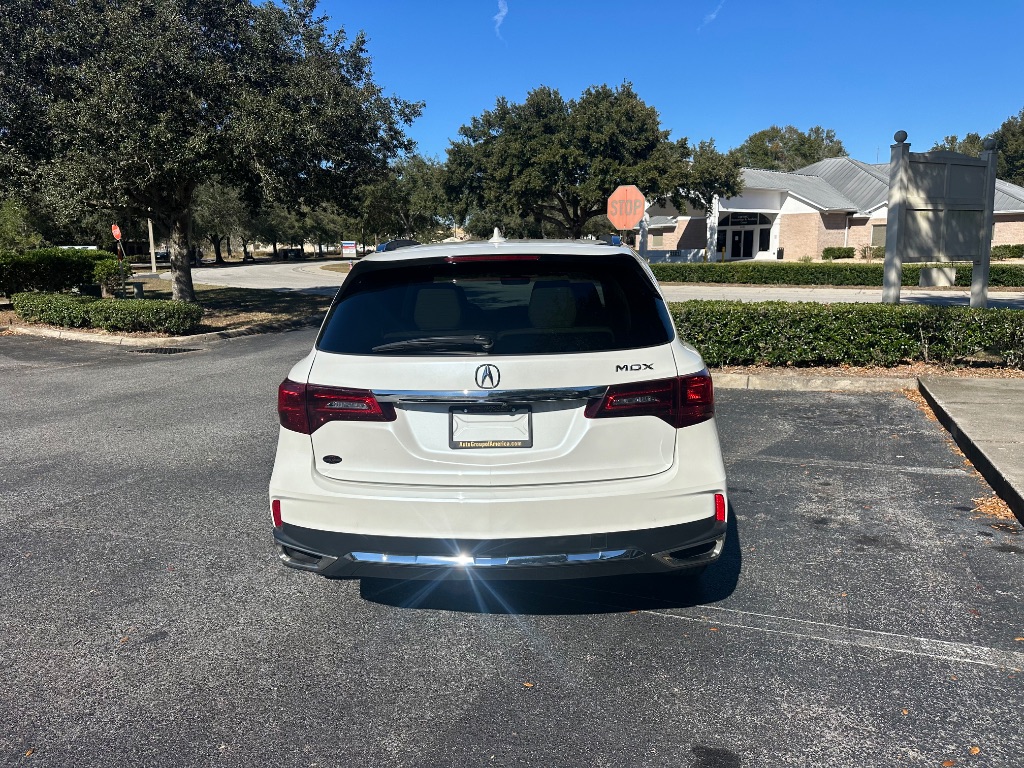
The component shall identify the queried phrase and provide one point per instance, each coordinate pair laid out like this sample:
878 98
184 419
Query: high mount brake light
492 257
307 407
680 402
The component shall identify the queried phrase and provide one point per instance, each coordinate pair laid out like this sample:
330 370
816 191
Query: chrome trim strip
516 561
489 396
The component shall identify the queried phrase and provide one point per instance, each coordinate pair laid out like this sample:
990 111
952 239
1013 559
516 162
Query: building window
657 240
878 235
763 239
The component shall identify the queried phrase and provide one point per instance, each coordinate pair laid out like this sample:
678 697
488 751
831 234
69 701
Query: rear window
515 306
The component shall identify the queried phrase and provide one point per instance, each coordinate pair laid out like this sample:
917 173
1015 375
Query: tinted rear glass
544 305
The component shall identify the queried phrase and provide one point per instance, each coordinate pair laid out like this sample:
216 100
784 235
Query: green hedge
837 252
781 333
65 310
156 315
47 269
1000 252
174 317
824 273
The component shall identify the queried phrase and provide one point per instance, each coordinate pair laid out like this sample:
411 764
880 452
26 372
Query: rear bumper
352 555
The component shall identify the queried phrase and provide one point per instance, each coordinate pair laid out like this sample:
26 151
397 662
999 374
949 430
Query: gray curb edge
1004 488
167 341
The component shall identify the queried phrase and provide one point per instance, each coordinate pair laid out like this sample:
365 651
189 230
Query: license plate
483 426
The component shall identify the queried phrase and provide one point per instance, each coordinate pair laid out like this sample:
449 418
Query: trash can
779 252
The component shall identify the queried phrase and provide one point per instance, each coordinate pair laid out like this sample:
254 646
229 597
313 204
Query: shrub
55 309
871 252
1000 252
72 311
47 269
107 272
780 333
821 273
835 252
159 315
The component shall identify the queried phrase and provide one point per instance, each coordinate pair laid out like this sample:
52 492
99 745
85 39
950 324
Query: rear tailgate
531 429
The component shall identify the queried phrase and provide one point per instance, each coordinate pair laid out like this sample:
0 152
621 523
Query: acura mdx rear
498 409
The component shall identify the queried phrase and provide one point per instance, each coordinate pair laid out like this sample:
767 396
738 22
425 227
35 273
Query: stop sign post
626 207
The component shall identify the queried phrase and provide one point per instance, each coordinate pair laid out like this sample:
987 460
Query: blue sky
712 68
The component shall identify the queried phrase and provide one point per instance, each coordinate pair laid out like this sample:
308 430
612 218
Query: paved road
862 615
309 277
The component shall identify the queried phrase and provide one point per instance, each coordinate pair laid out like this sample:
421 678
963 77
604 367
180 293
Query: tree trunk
181 269
217 257
229 244
275 249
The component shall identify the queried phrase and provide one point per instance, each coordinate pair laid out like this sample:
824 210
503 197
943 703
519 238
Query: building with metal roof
792 215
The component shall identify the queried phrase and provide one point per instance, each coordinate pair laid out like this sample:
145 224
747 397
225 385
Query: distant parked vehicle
291 253
392 245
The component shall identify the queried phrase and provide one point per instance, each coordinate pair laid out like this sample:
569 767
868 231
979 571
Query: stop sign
115 231
626 207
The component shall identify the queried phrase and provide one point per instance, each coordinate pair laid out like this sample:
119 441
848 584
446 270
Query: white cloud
499 17
711 16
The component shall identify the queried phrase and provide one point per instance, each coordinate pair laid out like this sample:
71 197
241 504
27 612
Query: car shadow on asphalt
605 594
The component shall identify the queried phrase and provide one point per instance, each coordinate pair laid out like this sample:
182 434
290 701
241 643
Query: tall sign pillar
897 218
941 208
979 273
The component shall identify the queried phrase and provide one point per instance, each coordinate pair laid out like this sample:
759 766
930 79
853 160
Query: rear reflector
307 407
680 402
275 510
720 507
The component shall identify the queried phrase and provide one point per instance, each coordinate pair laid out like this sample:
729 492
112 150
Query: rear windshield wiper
439 344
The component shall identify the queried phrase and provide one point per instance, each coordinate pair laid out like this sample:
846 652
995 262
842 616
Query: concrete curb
810 383
1004 488
166 341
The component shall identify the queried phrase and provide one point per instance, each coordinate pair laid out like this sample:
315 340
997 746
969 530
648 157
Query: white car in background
502 409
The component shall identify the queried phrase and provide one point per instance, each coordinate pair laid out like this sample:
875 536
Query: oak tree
131 105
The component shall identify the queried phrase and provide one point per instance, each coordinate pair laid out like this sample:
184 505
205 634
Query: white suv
504 409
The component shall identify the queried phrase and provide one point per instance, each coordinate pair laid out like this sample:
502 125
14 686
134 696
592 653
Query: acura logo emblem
487 376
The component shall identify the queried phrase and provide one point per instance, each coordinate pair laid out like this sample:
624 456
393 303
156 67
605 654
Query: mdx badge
487 376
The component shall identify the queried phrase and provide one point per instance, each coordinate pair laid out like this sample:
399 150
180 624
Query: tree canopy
554 162
1010 148
409 201
972 144
787 149
710 174
130 106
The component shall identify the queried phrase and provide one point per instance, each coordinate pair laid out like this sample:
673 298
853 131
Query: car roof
510 247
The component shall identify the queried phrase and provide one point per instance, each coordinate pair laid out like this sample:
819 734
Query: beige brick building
835 202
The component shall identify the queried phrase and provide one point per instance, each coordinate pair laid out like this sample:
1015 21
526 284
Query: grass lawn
228 308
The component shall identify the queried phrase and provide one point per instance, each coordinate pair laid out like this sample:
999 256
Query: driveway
863 614
310 278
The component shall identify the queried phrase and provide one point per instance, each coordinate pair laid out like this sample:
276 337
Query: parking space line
945 471
850 636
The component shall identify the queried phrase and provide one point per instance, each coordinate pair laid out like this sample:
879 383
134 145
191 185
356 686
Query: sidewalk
986 419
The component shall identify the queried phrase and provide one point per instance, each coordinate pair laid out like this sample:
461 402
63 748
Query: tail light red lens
720 507
307 407
680 402
275 511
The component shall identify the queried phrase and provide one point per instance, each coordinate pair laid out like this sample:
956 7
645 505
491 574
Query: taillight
275 511
680 402
291 406
720 507
307 407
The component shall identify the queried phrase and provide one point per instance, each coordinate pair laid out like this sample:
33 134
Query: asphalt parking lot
862 614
